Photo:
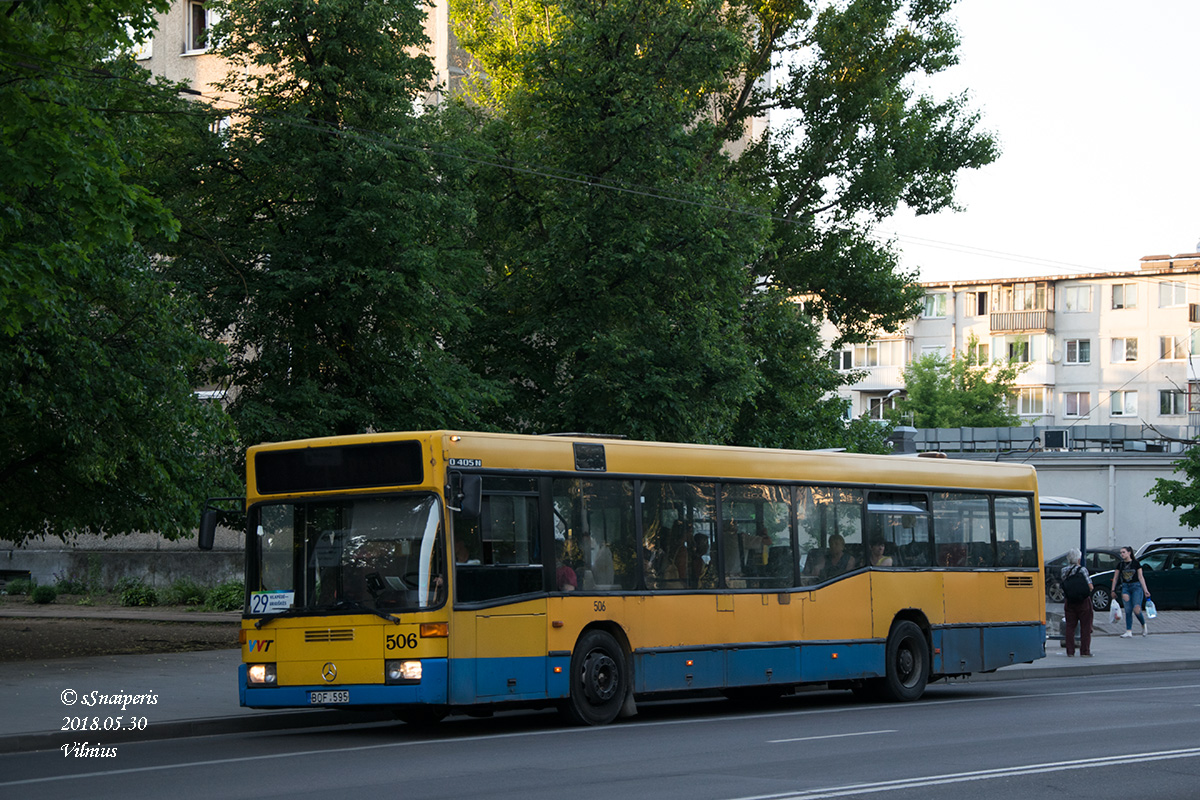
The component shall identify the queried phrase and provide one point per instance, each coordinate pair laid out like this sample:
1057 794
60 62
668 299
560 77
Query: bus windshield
369 554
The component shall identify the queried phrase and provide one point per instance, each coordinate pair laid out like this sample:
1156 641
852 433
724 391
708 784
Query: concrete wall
151 558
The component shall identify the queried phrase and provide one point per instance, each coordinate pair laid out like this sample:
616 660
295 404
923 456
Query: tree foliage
616 270
961 390
644 254
324 236
66 185
1182 494
99 428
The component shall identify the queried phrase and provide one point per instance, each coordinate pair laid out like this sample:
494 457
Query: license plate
328 698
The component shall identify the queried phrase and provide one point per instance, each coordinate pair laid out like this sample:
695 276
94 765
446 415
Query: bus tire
907 664
599 680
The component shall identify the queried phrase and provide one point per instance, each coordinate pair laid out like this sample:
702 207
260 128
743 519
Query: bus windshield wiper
290 612
354 605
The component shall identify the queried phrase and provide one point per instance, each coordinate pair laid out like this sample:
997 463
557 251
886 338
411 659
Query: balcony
1021 321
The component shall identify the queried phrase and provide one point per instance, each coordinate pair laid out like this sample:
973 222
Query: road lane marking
830 736
979 775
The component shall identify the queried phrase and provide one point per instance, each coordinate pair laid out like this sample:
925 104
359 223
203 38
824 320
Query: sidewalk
196 693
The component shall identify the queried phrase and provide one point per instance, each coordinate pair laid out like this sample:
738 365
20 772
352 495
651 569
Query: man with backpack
1077 604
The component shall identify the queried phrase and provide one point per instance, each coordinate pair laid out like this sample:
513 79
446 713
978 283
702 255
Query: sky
1096 105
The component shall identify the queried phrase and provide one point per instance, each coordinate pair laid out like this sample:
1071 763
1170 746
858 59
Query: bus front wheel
907 663
599 680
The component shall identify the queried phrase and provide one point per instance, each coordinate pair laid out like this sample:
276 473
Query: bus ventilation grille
330 635
1015 581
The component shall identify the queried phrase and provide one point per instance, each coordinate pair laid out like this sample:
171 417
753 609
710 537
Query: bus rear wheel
907 664
599 680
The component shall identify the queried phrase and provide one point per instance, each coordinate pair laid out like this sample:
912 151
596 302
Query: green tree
66 185
961 390
645 255
324 236
616 251
99 429
1182 494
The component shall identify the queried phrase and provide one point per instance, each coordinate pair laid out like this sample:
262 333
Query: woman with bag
1077 608
1134 593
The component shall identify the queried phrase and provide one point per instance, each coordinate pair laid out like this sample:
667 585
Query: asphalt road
1073 737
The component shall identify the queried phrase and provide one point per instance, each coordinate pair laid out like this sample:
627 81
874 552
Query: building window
1077 404
1018 349
879 354
877 407
935 305
977 304
1173 348
1172 294
1122 404
1172 402
1124 350
1077 298
1031 401
1124 295
979 352
843 360
1023 297
1079 351
199 20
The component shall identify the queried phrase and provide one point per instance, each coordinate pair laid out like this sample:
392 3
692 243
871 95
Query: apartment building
178 49
1102 348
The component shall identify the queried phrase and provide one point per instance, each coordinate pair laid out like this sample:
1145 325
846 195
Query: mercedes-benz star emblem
329 671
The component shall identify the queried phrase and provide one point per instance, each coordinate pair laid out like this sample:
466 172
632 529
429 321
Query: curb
1022 672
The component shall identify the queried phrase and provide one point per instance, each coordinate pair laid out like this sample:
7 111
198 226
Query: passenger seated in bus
701 572
878 559
758 551
833 561
564 576
952 555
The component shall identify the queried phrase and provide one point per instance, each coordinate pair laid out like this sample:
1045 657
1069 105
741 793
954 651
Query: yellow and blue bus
441 571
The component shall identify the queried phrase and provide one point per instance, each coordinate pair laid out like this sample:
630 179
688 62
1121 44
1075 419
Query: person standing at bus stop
1132 583
1077 605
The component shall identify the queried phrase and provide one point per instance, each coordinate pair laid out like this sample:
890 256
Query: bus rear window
355 466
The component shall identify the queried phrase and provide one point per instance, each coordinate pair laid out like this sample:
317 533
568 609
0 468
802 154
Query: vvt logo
259 645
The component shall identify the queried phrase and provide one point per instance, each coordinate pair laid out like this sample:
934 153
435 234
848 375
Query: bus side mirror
208 529
466 491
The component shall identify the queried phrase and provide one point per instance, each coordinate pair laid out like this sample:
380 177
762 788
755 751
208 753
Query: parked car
1167 541
1172 576
1097 560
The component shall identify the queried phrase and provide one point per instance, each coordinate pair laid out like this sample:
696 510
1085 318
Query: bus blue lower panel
717 668
977 649
497 680
431 690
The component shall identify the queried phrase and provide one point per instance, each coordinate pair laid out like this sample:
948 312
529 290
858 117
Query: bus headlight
261 675
402 671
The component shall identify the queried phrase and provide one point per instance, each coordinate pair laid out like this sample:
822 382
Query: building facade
178 49
1102 348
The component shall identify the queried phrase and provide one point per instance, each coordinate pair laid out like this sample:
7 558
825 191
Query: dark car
1097 560
1172 575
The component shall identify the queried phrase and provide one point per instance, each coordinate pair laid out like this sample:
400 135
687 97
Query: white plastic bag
1151 611
1115 614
